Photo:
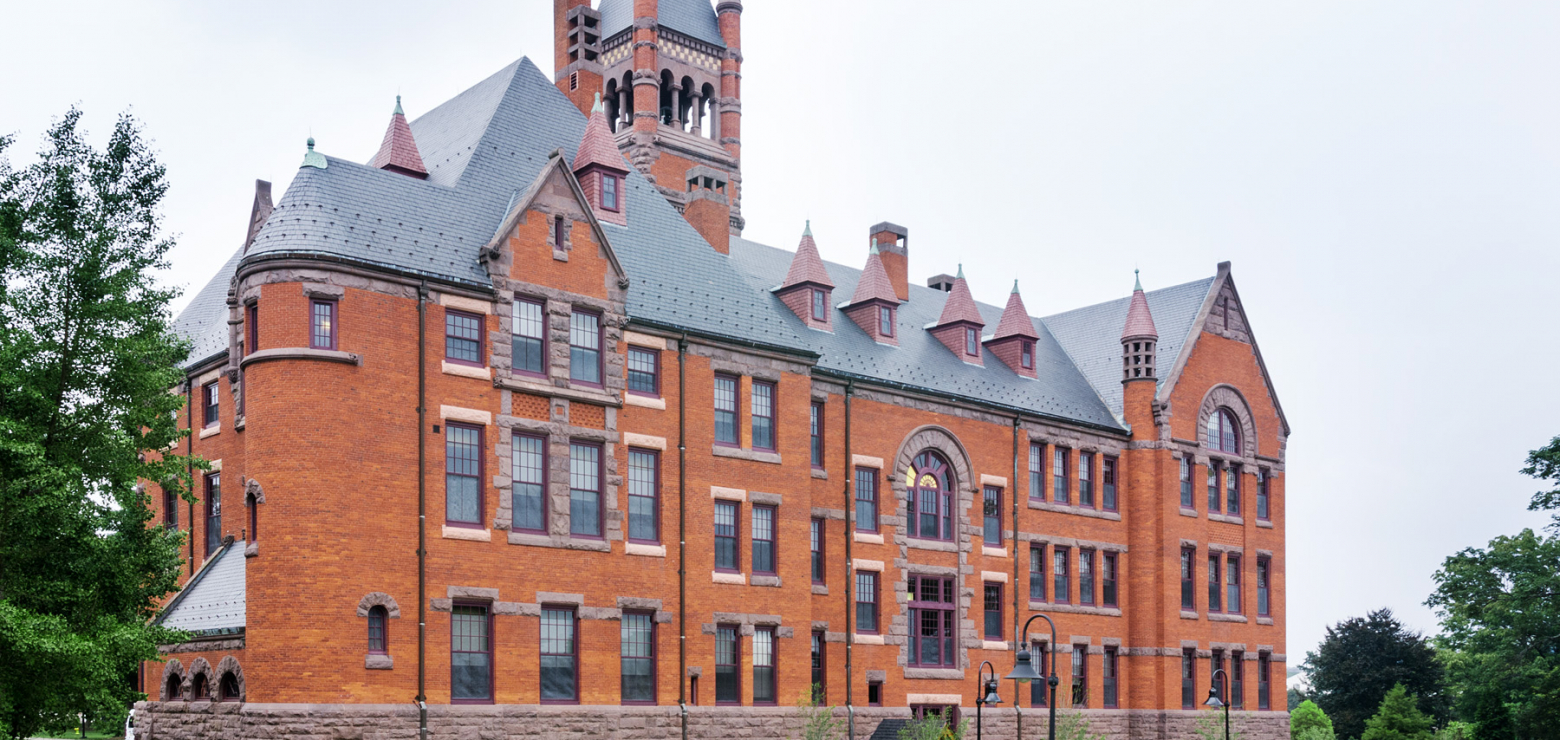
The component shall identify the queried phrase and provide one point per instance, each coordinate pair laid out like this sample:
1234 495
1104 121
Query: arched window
378 630
175 687
198 689
930 483
227 688
1223 431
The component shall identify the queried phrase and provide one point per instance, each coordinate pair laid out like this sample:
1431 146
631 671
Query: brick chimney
893 243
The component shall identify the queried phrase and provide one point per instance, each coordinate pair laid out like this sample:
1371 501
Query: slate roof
399 149
695 18
214 599
204 321
874 282
598 147
960 305
1140 318
806 265
1015 318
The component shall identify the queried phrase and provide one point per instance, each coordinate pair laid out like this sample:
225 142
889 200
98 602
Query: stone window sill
466 371
953 673
545 388
939 545
819 589
659 404
1114 516
994 552
1265 620
738 453
1226 519
467 533
1189 512
867 538
534 539
1103 611
993 645
735 579
649 551
868 639
766 581
1189 615
820 474
211 431
1227 618
1264 524
375 662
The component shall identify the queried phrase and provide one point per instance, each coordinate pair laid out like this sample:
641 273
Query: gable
551 237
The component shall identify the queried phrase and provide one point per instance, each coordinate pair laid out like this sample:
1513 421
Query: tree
1309 722
934 726
1398 719
1544 464
817 719
86 362
1360 660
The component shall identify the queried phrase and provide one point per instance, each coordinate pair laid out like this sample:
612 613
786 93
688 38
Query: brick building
520 380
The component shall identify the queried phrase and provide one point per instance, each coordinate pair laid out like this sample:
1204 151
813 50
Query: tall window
1214 493
1188 678
1238 680
170 509
1059 475
638 637
726 410
1108 482
1061 588
1215 586
1108 580
1080 676
874 693
644 371
1186 482
1110 674
1086 479
1216 664
991 598
322 324
725 536
931 497
866 500
213 512
1264 669
1232 491
728 683
1086 577
1262 494
819 309
529 345
763 407
463 338
933 620
1036 572
866 601
885 321
211 402
528 468
817 435
1264 568
817 551
609 192
1036 471
471 654
764 691
1039 691
585 489
1026 354
644 492
252 327
1188 583
559 235
378 630
1232 583
820 672
585 347
254 517
560 666
1223 432
763 539
991 501
971 341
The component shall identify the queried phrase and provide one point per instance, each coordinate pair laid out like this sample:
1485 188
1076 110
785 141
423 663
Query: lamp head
1213 698
1023 668
991 693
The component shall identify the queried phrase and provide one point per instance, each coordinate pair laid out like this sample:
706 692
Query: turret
1138 339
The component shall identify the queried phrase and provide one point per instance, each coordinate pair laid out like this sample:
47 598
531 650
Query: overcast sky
1384 177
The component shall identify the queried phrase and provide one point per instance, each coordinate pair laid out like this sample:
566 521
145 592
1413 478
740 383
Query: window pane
866 601
609 192
885 321
727 688
725 409
1059 475
1080 676
1036 473
584 489
642 369
463 338
1232 584
763 416
763 666
1086 479
1186 483
1232 488
557 655
992 598
642 508
1215 592
817 551
527 339
462 463
725 535
1188 592
817 435
763 539
819 310
1037 572
1063 586
866 500
585 347
471 659
1108 579
992 503
528 500
323 326
1213 487
638 657
1108 482
1086 576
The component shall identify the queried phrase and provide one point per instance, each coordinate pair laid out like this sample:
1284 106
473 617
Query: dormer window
819 305
1027 355
609 192
886 321
971 341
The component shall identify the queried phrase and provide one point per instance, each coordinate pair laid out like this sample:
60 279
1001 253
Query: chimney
893 243
258 212
577 52
942 282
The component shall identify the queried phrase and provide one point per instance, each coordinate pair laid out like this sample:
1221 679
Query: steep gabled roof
399 149
960 305
807 266
695 18
598 147
874 283
1015 318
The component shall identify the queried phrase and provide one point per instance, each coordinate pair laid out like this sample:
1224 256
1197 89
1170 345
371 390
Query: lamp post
1215 698
986 692
1024 669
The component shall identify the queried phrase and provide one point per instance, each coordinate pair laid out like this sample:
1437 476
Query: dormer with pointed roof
1014 342
398 153
807 287
1138 338
601 168
874 306
959 326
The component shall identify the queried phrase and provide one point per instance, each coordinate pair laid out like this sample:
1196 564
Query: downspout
682 531
422 512
1018 711
850 578
189 459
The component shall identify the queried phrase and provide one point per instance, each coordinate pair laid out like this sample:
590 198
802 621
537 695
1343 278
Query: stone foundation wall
179 720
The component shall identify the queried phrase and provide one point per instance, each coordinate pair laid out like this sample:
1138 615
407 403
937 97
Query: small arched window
227 688
930 485
198 688
378 630
1223 431
175 687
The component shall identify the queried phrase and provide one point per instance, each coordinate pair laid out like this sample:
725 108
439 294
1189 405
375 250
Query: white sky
1383 176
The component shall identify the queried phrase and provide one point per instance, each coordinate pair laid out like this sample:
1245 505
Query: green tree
818 720
1544 464
1361 659
1309 721
934 726
86 363
1399 719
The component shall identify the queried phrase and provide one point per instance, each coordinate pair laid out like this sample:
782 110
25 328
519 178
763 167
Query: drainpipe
1018 711
189 459
422 512
850 578
682 531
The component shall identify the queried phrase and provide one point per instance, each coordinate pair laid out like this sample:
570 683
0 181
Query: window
1108 482
1186 483
462 475
609 192
1214 492
1086 577
322 324
728 684
1026 354
885 321
170 509
175 687
1080 676
992 504
726 410
1262 494
198 688
254 517
933 612
1188 584
213 513
1039 691
817 435
1223 434
644 371
378 630
693 690
559 671
585 347
1036 572
1110 674
529 341
971 341
528 489
764 665
638 637
874 693
763 539
463 338
819 305
1059 474
866 601
644 494
252 327
1188 678
931 497
585 489
1216 664
1061 589
817 551
1108 580
1086 479
1232 583
227 687
763 408
211 401
471 654
558 232
1036 471
1264 600
866 500
726 536
820 673
1238 680
992 601
1264 667
1215 589
1232 491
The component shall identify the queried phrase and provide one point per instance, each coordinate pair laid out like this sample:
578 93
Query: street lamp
986 692
1215 698
1024 669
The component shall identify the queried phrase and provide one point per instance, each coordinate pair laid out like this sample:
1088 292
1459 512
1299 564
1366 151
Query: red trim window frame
550 644
763 405
458 337
1264 586
581 475
1036 471
1215 487
1264 495
378 630
1086 577
1086 479
252 328
528 324
1109 580
1232 490
613 186
213 483
991 612
1188 678
1040 691
1080 677
727 531
465 466
929 464
991 516
1238 679
867 499
820 669
1111 674
886 320
211 403
644 495
971 341
1224 431
874 693
528 477
1188 579
558 234
170 509
866 601
771 655
933 596
471 648
585 326
1215 584
1188 501
637 648
254 517
728 648
1108 469
1232 600
763 542
1037 571
322 323
1264 681
1059 460
819 302
727 404
815 440
644 362
1026 354
1061 575
818 532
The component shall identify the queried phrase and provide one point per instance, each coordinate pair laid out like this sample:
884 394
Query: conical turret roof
399 152
874 281
807 266
960 305
1140 323
597 147
1015 318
